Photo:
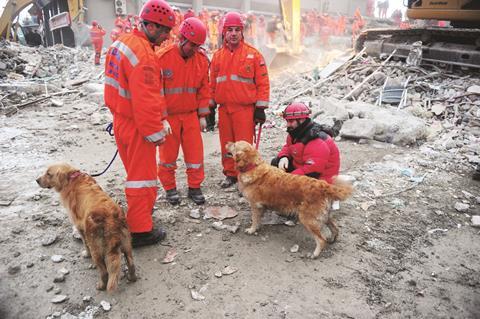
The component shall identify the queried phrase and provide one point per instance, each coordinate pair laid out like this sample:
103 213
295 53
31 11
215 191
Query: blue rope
109 129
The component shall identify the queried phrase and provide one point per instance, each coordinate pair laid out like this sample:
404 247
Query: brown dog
98 218
268 187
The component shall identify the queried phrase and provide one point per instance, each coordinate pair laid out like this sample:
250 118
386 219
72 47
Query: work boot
148 238
172 196
196 195
228 181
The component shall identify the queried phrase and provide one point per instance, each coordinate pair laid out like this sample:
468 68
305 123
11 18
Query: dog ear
62 177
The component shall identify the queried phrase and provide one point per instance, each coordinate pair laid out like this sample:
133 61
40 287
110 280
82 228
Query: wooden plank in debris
75 82
368 77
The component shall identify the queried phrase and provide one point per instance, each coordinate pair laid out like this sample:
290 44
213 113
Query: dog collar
247 168
75 175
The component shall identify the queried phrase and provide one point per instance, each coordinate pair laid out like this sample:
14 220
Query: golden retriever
100 221
268 187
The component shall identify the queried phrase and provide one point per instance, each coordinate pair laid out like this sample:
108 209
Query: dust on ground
406 248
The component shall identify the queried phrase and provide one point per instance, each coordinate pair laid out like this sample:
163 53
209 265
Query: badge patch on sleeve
149 75
167 73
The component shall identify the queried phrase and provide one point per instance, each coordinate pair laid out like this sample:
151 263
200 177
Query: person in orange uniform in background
240 86
132 93
185 80
96 36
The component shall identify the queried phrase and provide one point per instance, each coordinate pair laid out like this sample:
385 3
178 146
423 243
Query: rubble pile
29 73
439 106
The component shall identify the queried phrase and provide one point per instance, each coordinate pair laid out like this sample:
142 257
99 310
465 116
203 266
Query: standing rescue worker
240 86
185 86
132 93
96 36
310 149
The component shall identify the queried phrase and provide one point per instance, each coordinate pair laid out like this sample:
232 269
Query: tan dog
268 187
98 218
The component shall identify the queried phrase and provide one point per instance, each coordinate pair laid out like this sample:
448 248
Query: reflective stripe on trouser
139 159
97 46
235 123
185 133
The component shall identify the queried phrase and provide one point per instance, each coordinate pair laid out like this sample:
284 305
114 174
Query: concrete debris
476 221
105 305
219 213
59 299
57 258
170 256
461 207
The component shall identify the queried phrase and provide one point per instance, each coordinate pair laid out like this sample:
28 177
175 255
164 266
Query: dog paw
101 285
250 230
86 254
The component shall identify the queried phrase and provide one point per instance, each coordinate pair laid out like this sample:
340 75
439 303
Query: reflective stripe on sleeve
155 136
203 110
127 52
121 91
141 184
261 103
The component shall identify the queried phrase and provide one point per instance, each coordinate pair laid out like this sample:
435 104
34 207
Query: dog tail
339 190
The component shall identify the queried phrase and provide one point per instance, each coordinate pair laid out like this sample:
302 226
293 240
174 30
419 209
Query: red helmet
94 23
295 111
189 14
158 11
233 19
194 30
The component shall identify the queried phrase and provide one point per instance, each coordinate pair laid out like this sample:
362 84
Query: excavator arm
10 12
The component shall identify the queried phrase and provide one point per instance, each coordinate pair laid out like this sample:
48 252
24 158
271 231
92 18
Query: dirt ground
403 250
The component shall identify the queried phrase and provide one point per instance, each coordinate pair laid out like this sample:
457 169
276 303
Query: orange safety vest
185 82
239 77
132 84
96 34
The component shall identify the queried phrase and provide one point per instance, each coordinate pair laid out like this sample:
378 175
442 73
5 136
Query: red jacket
185 82
239 77
132 84
313 153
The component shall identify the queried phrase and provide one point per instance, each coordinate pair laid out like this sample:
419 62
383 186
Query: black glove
259 116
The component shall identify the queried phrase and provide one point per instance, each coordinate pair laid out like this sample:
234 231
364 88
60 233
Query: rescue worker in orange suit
185 80
310 149
133 95
240 87
96 36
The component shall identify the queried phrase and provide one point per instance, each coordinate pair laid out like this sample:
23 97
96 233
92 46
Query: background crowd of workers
160 96
258 29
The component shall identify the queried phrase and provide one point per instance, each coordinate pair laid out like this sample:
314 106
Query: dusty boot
148 238
172 196
229 181
196 195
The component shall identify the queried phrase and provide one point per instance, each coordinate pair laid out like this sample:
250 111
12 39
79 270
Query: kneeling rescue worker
132 93
310 149
185 79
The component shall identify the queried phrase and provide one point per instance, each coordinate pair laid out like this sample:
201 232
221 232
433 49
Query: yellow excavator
281 52
13 8
457 45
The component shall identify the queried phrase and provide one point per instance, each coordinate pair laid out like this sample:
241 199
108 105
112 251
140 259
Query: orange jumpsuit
239 83
96 36
187 94
132 93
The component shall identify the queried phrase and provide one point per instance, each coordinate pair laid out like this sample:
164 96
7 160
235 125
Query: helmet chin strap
149 36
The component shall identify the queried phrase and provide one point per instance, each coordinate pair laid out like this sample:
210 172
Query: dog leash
109 129
257 139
